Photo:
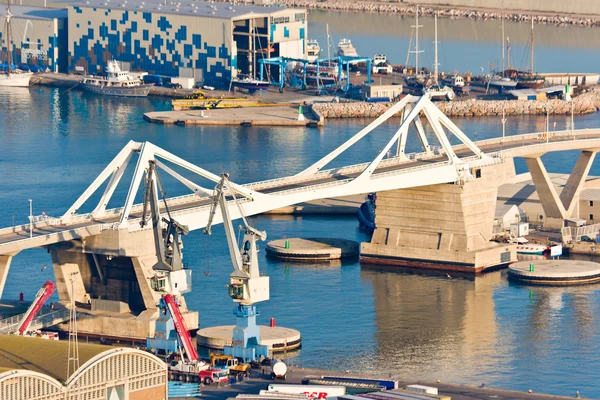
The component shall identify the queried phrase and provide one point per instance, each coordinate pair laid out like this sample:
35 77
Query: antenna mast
532 44
73 352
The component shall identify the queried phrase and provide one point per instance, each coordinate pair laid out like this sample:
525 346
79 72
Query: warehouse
32 369
209 42
39 37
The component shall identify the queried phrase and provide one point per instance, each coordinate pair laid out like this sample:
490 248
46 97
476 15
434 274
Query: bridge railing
577 234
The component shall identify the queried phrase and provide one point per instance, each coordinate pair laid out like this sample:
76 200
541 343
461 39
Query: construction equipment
170 274
246 286
230 364
183 370
38 302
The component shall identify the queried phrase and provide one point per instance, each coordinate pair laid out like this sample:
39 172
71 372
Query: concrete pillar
570 194
444 226
5 261
67 265
556 207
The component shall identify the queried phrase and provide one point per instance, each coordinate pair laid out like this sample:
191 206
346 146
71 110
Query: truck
186 371
279 370
230 364
213 375
314 392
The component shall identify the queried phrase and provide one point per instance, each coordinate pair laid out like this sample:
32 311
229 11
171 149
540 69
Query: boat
10 77
437 90
116 83
313 50
327 75
345 48
454 81
250 84
366 213
530 80
524 247
380 65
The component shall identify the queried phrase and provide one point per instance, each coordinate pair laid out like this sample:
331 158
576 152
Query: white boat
440 92
499 81
116 83
455 81
313 50
345 48
524 247
10 77
380 65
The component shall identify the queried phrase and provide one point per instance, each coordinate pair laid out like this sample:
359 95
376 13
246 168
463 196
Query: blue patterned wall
151 41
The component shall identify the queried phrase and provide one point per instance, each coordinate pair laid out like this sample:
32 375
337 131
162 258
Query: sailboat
247 82
501 81
438 91
530 80
10 77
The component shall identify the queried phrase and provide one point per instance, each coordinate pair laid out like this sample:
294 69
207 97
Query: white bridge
392 169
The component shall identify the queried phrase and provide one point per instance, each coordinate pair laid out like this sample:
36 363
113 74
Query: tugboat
250 84
116 83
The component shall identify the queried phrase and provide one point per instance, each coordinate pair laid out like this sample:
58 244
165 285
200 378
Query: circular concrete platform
275 338
555 272
313 248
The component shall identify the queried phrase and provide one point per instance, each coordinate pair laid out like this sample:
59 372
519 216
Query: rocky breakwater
388 8
585 103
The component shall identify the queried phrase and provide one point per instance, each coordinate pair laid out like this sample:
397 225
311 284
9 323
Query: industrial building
32 368
207 41
39 37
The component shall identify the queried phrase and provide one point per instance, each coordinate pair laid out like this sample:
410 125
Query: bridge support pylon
114 279
558 208
441 227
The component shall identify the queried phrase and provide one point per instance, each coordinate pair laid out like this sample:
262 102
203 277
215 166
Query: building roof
523 92
553 89
38 13
42 355
589 194
184 7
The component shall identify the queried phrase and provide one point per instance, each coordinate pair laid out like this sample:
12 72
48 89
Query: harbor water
352 317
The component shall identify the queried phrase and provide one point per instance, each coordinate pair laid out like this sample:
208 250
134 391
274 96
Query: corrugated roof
42 355
523 92
39 13
184 7
589 194
552 89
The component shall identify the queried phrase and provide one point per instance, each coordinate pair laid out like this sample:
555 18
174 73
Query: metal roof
38 13
589 194
42 355
184 7
523 92
552 89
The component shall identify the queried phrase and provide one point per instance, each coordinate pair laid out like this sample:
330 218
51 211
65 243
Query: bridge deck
52 230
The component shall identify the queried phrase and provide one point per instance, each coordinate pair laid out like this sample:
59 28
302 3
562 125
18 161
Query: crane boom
180 327
40 299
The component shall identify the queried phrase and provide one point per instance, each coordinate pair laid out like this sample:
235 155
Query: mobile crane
246 286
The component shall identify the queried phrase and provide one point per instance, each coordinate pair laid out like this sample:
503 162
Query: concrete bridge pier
558 208
444 227
112 275
5 261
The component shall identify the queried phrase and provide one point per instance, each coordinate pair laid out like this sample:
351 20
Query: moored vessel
116 83
12 77
250 84
346 48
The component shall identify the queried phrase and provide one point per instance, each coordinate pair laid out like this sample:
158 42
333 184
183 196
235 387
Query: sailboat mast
328 43
435 57
417 51
417 41
532 44
503 43
8 49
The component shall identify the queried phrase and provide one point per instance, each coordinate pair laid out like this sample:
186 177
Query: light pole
30 218
503 124
572 119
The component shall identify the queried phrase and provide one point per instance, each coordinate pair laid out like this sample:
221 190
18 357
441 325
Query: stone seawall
443 11
584 104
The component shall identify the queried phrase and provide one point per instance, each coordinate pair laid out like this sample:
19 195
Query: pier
251 116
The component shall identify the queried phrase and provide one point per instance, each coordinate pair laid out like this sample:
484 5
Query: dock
252 116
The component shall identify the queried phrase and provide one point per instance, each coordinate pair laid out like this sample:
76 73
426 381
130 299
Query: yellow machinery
229 363
199 101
